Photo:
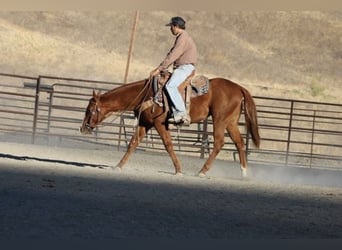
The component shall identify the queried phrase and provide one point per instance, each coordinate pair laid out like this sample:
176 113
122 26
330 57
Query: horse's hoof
116 169
202 175
179 174
245 176
244 173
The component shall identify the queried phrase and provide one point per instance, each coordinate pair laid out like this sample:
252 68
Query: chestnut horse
223 102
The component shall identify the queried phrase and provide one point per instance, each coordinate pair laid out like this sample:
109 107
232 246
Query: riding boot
180 118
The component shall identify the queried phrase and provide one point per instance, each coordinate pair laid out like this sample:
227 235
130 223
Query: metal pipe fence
50 109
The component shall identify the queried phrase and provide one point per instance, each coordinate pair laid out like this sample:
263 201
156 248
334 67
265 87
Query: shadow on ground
54 206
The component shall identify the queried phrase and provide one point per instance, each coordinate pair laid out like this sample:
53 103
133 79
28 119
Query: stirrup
183 120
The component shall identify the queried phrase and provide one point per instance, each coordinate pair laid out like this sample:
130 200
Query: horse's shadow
78 164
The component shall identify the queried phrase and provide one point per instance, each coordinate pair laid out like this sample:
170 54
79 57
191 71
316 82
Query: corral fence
47 109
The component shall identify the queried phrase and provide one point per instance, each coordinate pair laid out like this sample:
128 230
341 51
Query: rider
183 56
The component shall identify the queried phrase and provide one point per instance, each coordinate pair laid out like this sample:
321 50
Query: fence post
289 135
312 136
50 110
247 145
35 114
205 143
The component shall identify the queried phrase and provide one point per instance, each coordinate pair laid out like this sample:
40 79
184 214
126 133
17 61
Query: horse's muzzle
86 129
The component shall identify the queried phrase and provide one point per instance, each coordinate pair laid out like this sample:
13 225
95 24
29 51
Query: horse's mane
124 87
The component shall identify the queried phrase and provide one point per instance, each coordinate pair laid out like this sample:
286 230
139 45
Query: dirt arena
53 193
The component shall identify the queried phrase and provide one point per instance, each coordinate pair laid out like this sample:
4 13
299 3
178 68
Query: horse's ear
96 96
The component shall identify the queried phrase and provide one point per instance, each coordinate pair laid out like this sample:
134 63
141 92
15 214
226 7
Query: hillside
280 54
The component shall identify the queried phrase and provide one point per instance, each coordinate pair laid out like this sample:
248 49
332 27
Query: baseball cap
176 21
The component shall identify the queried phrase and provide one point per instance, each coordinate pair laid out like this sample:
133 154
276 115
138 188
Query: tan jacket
184 51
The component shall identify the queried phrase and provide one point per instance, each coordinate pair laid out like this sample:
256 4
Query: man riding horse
222 100
183 56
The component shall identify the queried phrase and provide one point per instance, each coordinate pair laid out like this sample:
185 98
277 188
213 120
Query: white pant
178 76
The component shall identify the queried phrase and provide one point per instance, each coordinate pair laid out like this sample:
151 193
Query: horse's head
94 114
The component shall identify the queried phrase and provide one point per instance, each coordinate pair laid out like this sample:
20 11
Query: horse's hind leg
236 137
218 144
135 140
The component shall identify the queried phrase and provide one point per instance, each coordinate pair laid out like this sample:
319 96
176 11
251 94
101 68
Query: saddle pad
200 84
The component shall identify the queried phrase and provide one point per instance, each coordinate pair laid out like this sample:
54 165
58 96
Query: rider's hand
154 72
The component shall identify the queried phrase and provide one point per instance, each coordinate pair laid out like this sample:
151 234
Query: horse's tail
251 117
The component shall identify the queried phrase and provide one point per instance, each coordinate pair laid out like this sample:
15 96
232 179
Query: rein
118 114
140 105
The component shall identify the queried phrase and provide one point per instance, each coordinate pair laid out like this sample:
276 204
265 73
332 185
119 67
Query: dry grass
281 54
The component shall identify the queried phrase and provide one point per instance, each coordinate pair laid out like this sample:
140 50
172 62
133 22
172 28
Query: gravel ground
53 192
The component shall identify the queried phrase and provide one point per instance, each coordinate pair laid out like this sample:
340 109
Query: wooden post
131 45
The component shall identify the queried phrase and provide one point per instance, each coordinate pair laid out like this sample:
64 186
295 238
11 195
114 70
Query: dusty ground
54 192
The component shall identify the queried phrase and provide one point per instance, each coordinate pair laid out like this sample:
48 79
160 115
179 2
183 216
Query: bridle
96 110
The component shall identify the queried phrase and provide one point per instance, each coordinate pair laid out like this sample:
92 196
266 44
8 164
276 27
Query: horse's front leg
135 140
167 140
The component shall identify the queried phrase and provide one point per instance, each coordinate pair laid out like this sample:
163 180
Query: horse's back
222 88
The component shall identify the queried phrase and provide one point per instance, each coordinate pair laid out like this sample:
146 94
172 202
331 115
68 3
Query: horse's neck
123 98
